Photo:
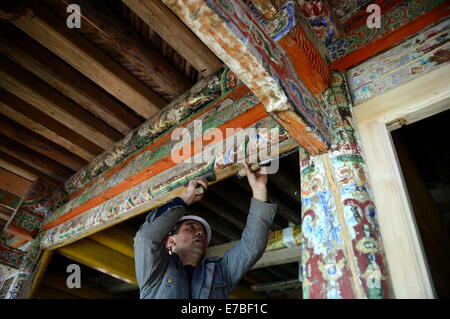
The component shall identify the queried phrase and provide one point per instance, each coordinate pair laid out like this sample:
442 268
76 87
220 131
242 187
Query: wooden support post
42 267
342 253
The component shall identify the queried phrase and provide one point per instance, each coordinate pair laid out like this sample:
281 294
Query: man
179 269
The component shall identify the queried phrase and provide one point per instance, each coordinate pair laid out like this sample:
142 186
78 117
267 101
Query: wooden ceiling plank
34 159
49 101
176 34
37 143
13 164
17 170
42 124
129 44
72 47
13 183
21 49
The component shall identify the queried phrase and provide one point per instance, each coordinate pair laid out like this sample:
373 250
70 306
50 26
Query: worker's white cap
201 221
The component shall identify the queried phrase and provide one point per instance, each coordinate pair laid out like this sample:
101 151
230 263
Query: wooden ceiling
66 95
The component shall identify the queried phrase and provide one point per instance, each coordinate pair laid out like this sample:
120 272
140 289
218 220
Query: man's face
191 237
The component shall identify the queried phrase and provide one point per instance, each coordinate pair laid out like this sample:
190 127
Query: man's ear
171 241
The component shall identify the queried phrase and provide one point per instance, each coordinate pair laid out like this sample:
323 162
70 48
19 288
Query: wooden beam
363 43
9 200
37 143
88 59
129 44
5 212
269 258
42 124
24 85
239 39
15 165
17 170
116 238
21 49
13 183
101 258
176 34
35 160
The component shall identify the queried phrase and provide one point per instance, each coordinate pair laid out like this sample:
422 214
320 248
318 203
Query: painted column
342 253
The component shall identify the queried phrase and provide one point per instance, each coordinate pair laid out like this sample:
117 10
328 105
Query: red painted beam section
389 39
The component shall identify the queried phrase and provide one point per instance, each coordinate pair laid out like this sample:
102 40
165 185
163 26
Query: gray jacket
162 276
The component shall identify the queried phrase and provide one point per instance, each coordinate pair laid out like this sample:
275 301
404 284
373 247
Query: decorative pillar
342 252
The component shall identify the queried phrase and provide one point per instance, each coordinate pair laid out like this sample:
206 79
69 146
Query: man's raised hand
189 196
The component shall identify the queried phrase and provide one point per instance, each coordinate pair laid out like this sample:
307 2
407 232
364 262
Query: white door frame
415 100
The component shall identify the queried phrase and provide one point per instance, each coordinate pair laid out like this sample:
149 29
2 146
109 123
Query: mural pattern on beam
345 9
340 232
423 53
395 18
205 92
159 185
310 66
321 18
40 201
239 102
233 32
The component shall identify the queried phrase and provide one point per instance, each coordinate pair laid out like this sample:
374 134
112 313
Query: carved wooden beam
21 49
176 34
88 59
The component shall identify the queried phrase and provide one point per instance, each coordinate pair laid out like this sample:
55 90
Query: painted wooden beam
399 23
129 44
24 51
116 238
101 258
21 168
13 183
266 7
176 34
26 115
234 34
37 143
85 57
411 59
24 85
35 160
